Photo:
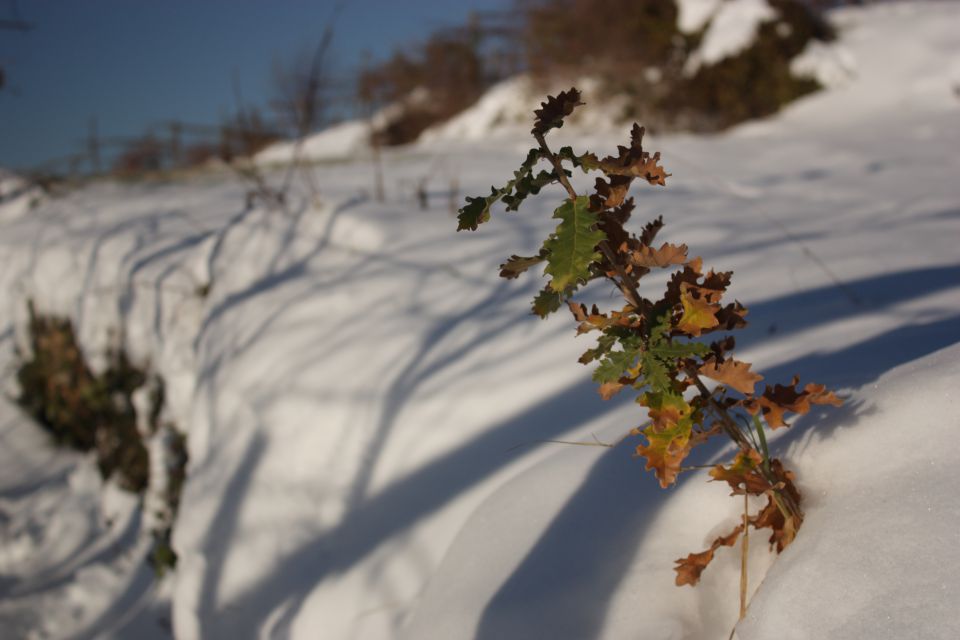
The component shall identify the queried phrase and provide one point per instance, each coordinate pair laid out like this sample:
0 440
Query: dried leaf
668 436
733 373
818 394
635 162
551 113
668 254
742 474
699 313
784 530
732 316
610 194
689 569
650 231
779 399
515 265
609 389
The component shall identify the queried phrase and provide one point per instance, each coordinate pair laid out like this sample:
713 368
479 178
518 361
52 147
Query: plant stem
784 502
744 550
555 161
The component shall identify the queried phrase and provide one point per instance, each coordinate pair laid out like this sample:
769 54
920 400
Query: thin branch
596 442
555 161
744 551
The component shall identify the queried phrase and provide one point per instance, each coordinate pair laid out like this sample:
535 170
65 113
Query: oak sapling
655 347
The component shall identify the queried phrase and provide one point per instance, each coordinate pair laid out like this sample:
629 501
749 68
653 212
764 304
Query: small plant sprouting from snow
656 347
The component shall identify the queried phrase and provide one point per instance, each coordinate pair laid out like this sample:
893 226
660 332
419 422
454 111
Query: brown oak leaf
689 569
818 394
742 474
610 194
552 112
668 435
668 254
779 399
635 162
515 265
650 231
720 347
733 373
784 530
609 389
732 316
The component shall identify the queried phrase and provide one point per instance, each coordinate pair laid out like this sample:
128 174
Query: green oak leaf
546 302
571 249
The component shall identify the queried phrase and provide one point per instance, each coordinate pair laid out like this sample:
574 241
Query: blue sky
131 63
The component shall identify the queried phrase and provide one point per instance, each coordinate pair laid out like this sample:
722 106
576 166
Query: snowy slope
341 141
354 380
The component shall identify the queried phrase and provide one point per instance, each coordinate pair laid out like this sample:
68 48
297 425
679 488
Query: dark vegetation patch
87 411
80 409
755 83
633 47
435 81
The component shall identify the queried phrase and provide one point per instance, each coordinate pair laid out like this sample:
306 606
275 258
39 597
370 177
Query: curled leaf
783 528
635 162
551 113
689 569
515 265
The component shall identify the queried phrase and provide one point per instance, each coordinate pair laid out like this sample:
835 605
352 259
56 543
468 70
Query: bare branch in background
305 101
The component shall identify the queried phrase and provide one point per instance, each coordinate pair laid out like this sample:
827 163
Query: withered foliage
657 347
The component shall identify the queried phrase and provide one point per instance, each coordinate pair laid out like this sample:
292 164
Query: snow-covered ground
339 142
365 400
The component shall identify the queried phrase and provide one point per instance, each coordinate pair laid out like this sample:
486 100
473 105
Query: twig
596 442
744 551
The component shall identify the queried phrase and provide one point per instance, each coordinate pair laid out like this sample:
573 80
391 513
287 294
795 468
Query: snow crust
366 403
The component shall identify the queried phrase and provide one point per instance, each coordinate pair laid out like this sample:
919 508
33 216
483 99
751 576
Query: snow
693 15
731 30
341 141
506 106
365 401
830 65
882 506
504 112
